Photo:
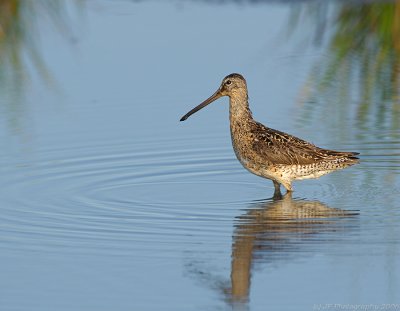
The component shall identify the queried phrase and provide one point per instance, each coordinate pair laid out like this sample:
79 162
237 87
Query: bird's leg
277 192
288 187
277 186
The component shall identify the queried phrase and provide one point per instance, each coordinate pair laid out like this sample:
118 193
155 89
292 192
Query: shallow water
107 201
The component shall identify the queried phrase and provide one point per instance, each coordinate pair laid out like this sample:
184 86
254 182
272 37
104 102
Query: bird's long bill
209 100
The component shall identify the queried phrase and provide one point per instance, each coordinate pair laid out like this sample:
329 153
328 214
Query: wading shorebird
269 153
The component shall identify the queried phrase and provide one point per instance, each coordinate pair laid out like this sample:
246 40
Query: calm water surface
108 202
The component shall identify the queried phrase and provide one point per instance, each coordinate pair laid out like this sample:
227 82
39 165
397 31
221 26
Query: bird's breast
242 142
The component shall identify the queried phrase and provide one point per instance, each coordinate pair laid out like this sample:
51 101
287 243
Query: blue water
108 202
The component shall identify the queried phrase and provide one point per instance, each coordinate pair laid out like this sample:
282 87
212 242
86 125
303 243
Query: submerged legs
277 186
277 192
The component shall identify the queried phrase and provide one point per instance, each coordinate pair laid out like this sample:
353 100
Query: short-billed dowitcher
269 153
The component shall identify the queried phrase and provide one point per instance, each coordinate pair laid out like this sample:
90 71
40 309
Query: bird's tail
348 158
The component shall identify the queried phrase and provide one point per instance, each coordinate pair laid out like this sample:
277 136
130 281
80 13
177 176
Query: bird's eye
228 82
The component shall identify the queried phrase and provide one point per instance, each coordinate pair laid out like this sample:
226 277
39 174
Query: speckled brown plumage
269 153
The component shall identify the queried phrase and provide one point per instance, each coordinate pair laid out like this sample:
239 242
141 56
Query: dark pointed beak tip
209 100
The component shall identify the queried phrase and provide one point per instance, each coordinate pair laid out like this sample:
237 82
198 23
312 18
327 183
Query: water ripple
98 198
104 197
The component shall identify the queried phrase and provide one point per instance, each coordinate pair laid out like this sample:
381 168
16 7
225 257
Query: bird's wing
281 148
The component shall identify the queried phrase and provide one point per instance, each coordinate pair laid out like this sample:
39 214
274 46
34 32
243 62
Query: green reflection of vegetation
363 49
20 56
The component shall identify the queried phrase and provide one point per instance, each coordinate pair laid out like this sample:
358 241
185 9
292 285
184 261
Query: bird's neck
239 111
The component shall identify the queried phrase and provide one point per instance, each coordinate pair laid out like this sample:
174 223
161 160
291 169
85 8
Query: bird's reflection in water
276 230
272 232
